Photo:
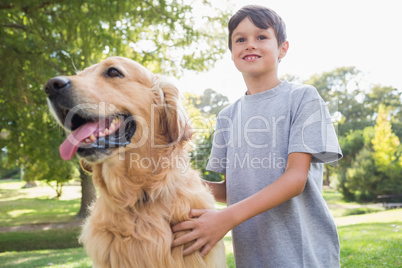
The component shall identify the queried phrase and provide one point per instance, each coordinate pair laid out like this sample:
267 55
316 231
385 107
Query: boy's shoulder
297 88
294 91
230 109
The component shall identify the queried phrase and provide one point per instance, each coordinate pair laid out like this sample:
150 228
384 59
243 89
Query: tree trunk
326 173
88 194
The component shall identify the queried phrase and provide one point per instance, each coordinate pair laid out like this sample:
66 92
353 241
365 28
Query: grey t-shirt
252 141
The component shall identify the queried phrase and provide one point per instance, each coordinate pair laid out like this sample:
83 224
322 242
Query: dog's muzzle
90 134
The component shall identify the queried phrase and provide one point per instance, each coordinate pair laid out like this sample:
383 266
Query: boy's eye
239 40
261 37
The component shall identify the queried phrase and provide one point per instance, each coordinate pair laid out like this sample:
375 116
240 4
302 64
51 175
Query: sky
323 35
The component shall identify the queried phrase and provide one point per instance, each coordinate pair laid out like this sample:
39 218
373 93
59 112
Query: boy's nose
250 46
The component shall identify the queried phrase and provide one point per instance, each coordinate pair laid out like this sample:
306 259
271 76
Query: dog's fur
130 223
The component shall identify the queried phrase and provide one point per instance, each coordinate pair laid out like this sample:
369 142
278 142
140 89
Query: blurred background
349 50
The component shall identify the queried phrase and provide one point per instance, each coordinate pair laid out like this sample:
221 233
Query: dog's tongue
70 145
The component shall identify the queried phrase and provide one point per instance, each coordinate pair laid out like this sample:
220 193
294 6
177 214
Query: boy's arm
211 226
218 189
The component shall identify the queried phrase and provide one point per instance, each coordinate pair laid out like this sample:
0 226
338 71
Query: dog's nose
57 84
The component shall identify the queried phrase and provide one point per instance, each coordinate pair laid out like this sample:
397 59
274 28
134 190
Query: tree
341 90
351 145
41 39
375 164
387 148
7 169
210 102
203 111
363 178
389 97
88 194
354 108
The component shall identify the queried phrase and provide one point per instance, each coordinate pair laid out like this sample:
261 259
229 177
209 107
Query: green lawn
70 257
35 240
36 205
370 240
372 244
340 208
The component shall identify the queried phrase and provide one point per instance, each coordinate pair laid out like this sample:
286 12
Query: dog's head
115 106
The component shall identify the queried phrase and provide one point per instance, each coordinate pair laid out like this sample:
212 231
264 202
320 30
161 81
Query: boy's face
255 51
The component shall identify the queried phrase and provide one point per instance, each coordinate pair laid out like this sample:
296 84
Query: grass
384 217
340 208
371 244
35 240
36 205
70 257
372 239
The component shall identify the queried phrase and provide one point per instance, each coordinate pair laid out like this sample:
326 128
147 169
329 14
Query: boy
270 144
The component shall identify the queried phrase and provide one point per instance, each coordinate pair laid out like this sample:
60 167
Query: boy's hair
262 17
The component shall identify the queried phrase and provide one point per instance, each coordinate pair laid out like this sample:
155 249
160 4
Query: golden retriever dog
128 128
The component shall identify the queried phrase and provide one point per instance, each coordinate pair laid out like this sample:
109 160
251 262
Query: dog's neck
135 180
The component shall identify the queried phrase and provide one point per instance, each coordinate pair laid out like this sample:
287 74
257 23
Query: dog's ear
86 166
177 122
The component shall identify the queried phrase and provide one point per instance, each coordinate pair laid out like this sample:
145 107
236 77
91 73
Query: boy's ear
86 166
283 49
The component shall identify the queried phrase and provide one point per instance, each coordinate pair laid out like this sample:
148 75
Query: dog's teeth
87 140
106 131
112 127
115 120
101 134
92 138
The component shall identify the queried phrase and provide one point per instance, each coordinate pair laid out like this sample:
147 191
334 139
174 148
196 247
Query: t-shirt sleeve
312 130
218 158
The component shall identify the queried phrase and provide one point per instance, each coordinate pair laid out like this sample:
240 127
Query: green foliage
203 111
7 168
387 96
360 211
373 161
351 144
363 179
42 39
210 102
385 144
343 94
199 158
366 170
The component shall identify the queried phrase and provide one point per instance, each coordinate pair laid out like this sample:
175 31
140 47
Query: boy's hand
207 230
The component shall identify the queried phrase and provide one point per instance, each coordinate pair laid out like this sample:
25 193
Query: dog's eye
113 72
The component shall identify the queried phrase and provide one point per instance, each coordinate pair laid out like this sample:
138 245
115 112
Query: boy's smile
251 57
255 51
